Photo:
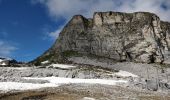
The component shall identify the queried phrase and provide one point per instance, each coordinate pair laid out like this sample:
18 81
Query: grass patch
70 53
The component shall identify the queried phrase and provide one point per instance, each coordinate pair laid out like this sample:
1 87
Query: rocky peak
4 61
77 19
101 18
139 37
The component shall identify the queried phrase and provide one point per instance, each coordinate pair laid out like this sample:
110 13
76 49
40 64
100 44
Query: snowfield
124 74
8 86
45 62
57 81
61 80
19 68
62 66
54 82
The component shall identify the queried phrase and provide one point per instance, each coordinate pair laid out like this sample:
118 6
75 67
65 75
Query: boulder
152 85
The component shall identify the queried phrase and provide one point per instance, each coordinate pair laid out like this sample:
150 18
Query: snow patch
88 98
19 68
54 82
8 86
45 62
62 66
3 63
61 80
124 74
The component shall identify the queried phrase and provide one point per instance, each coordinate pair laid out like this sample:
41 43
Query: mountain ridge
138 37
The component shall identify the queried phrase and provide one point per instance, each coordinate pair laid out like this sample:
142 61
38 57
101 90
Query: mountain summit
139 37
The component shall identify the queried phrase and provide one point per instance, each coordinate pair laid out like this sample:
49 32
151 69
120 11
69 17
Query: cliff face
139 36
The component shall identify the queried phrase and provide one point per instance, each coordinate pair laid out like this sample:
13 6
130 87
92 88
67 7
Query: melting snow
7 86
45 62
62 66
125 74
54 82
88 98
19 68
61 80
3 64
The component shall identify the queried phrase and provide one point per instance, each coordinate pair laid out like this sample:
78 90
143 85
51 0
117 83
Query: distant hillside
7 61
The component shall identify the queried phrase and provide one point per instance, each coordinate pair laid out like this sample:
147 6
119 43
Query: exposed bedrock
138 37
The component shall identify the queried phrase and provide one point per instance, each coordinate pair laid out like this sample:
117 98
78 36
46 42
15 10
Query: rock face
139 37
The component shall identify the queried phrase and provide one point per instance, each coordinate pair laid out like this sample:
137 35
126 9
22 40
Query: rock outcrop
139 37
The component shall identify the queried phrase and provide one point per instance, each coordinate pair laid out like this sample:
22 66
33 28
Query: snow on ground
18 68
88 98
61 80
124 74
54 82
8 86
63 66
45 62
3 63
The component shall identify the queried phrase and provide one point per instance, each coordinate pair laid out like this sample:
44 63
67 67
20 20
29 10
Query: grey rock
152 85
164 85
167 85
138 37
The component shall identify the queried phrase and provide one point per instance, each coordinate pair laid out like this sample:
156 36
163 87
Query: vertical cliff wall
139 37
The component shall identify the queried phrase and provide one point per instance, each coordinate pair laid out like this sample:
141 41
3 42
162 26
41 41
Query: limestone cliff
139 37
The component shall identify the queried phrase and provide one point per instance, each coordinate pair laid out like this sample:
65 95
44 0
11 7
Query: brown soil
40 96
78 92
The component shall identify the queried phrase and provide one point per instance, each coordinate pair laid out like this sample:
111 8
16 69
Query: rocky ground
85 92
86 81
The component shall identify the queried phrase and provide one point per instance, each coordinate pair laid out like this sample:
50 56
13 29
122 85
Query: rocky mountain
138 37
7 61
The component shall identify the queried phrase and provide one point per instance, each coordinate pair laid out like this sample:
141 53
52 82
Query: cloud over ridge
67 8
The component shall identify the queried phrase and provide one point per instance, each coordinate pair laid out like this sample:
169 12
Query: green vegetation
63 56
88 23
56 57
70 53
44 58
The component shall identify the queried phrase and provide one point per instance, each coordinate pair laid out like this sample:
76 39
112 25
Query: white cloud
51 35
67 8
6 49
154 6
55 34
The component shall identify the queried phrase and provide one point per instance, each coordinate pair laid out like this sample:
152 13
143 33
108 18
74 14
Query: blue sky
29 27
24 28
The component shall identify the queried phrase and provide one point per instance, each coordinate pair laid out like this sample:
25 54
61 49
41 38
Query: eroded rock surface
139 37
